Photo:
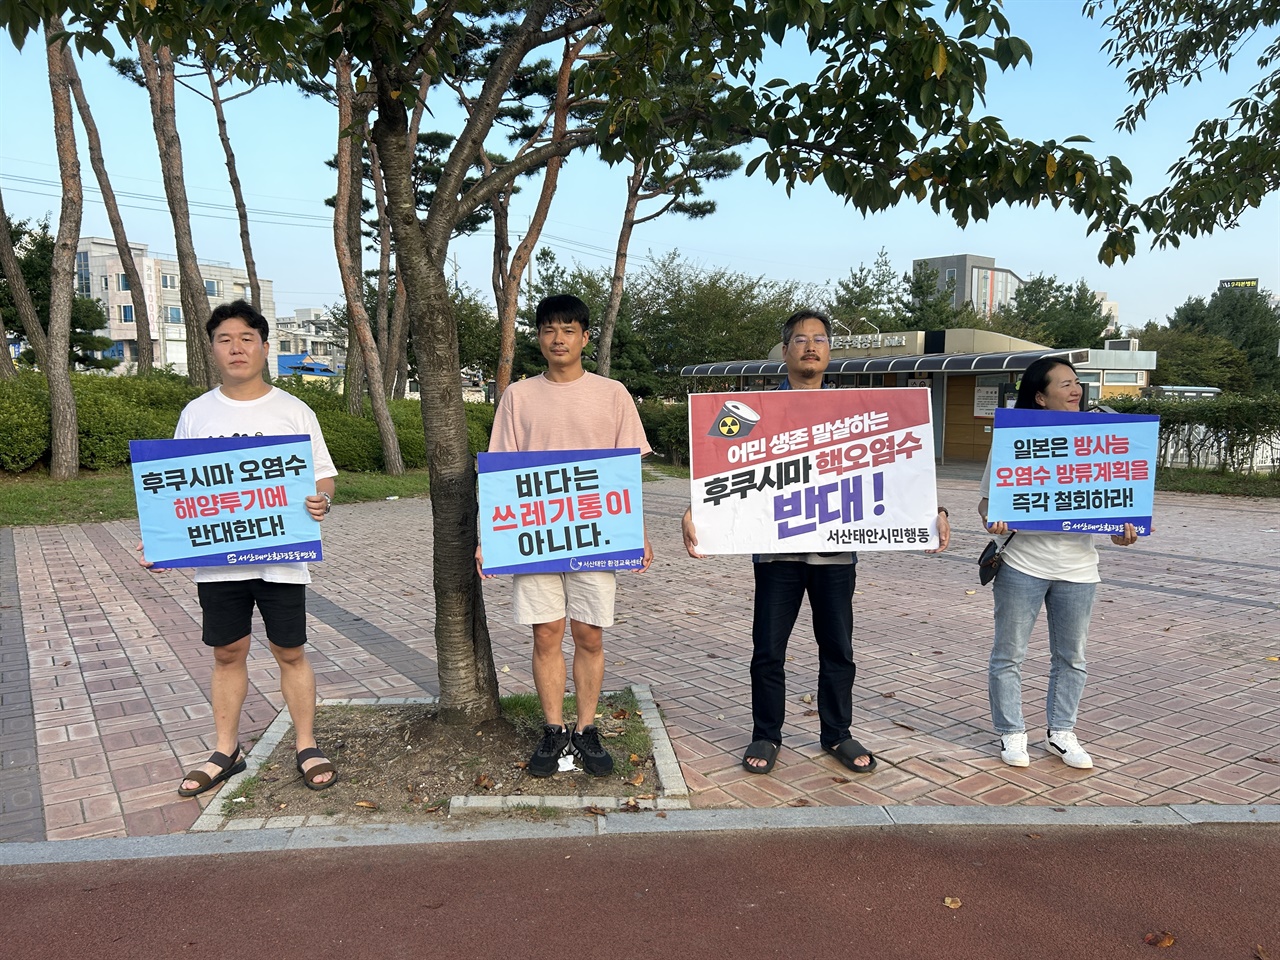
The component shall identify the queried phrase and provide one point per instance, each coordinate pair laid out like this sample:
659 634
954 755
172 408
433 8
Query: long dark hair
1036 380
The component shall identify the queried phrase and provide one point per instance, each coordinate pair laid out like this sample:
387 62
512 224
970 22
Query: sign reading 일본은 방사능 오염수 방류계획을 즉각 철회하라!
553 511
813 471
1073 472
225 501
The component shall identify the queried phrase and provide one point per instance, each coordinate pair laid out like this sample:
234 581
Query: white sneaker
1013 750
1065 745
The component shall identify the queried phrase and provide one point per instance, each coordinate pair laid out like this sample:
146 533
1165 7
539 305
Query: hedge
666 425
24 421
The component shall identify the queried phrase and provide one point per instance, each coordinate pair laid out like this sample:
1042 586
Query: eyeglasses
805 341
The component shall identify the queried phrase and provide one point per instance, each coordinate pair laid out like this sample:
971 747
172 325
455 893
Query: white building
99 274
978 281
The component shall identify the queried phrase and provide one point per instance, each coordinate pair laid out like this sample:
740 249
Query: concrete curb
276 839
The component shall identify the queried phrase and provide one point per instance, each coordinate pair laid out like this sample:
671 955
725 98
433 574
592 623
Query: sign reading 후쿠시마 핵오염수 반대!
1073 472
813 471
553 511
225 501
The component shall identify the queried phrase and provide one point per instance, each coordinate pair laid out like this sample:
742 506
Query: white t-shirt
1050 556
276 413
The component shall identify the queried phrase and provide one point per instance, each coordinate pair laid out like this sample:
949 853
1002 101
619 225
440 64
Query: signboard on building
1250 283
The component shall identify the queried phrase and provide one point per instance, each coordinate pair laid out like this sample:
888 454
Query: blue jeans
1068 606
780 587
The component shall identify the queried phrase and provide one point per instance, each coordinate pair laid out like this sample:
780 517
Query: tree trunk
348 251
604 345
22 301
501 208
468 681
157 69
391 350
64 429
353 376
137 293
509 303
242 212
398 333
7 370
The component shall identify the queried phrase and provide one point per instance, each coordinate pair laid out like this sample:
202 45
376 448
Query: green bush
24 421
316 394
109 421
407 416
479 426
353 443
666 425
157 390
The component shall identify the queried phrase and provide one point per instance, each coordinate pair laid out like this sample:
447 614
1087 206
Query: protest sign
556 510
800 471
224 501
1073 472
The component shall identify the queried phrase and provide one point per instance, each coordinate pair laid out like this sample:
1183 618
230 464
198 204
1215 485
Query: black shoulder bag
992 559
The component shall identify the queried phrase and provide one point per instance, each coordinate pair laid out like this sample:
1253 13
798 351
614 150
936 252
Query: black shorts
228 611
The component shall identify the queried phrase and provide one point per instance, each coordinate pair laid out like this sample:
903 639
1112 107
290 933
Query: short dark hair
242 309
562 308
799 317
1036 380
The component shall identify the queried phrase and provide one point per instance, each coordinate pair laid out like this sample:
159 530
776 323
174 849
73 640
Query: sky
282 141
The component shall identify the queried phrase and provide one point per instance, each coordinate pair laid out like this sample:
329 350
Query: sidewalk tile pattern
103 699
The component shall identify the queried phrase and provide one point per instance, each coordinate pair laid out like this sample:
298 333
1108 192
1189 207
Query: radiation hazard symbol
734 421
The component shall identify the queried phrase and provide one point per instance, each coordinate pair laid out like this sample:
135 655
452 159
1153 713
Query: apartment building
978 281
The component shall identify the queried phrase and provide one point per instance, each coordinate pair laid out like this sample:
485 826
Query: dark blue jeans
780 587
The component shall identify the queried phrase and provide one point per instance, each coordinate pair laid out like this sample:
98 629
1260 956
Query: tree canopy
1247 321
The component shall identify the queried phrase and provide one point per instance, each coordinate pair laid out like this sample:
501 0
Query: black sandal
229 767
847 751
765 750
309 775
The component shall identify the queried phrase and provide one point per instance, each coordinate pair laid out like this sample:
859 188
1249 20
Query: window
126 313
122 281
211 288
84 284
951 274
106 282
172 314
168 281
1117 377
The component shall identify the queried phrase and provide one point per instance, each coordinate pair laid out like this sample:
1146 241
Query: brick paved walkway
105 706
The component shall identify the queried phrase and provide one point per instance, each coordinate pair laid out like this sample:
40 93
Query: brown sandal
229 767
309 775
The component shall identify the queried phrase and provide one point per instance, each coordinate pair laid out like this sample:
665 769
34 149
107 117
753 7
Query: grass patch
654 465
31 498
1188 480
241 800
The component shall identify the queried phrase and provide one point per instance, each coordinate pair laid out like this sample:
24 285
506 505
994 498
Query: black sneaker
545 760
595 758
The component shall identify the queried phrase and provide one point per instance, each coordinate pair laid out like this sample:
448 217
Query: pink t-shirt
590 413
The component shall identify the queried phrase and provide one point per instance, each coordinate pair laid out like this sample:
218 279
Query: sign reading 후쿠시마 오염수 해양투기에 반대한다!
813 471
551 511
225 501
1073 472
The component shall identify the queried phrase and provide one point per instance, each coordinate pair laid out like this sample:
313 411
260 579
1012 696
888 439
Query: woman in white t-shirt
1056 571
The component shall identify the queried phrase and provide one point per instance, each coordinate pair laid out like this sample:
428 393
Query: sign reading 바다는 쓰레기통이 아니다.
552 511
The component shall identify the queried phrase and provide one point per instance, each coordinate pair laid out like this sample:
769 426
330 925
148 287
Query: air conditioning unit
1130 343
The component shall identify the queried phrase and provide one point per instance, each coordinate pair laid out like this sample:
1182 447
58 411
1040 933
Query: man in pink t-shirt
567 408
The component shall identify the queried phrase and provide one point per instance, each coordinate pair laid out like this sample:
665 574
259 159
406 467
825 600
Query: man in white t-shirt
567 408
246 405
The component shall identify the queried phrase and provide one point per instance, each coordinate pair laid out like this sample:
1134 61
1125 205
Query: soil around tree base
402 764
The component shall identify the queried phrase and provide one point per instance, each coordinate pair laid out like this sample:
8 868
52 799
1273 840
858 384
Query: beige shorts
585 596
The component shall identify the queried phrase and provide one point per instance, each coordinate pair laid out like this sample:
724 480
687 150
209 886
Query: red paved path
1067 893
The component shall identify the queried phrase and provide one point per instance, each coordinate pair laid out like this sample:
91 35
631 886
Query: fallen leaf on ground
367 804
1034 836
800 802
633 759
1267 759
637 779
952 902
630 806
620 714
904 726
646 796
811 713
484 781
522 764
1161 939
1272 659
970 593
841 780
714 656
807 698
506 669
596 812
660 815
887 695
1259 953
436 809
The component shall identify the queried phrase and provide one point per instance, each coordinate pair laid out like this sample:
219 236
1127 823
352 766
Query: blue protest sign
225 501
1073 472
556 510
